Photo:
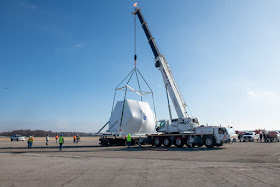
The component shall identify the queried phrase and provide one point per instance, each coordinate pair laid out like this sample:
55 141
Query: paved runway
88 164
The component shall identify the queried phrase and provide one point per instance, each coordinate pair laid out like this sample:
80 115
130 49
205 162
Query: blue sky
61 60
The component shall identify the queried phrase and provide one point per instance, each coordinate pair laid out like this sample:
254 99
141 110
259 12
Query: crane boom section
170 83
147 32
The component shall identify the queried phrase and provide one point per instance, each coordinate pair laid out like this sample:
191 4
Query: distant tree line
42 133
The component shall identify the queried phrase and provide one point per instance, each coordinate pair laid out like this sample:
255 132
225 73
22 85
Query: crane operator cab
161 125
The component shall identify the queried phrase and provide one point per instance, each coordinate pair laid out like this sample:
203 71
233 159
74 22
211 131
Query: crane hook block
135 57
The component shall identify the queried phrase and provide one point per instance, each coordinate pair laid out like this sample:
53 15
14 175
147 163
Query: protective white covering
138 119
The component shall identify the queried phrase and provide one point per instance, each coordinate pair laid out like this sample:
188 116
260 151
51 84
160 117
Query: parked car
17 137
250 136
233 135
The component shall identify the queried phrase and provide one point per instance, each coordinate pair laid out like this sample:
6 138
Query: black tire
209 141
167 142
107 143
11 139
179 143
157 142
17 139
243 140
188 144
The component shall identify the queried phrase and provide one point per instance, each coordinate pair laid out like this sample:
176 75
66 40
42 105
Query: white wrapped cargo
138 119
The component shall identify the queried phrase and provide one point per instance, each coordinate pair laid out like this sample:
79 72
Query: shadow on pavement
50 147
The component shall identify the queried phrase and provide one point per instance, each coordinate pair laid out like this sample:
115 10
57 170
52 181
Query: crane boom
161 63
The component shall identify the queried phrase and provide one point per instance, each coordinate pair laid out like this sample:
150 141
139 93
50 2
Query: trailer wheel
157 142
166 142
179 143
209 141
107 143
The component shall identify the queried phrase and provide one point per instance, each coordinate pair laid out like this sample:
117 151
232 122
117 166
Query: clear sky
61 60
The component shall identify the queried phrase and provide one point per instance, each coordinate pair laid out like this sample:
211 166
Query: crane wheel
179 143
157 142
189 143
167 142
209 141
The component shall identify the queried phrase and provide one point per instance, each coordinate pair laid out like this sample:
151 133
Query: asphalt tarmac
88 164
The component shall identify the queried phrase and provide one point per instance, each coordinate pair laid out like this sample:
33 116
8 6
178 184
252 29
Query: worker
261 137
61 141
74 139
77 138
56 137
47 139
128 140
30 141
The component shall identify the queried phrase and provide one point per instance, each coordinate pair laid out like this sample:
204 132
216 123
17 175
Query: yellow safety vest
128 138
30 140
61 139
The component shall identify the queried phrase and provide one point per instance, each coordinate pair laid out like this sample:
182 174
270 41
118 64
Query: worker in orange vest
74 139
56 137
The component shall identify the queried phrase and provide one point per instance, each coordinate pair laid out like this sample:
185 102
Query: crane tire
157 142
179 143
167 142
209 141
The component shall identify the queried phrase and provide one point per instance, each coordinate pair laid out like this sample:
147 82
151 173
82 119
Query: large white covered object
138 119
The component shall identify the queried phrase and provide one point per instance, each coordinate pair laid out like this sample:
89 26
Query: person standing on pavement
128 140
29 142
74 139
47 139
78 138
56 137
61 141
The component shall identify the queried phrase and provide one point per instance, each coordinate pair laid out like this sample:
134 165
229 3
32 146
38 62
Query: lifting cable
136 71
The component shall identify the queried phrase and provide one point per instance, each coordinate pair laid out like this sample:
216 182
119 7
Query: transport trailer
111 140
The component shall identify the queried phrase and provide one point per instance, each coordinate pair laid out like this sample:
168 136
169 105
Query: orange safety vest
74 137
56 137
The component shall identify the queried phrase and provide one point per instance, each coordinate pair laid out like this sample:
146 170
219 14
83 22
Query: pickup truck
250 137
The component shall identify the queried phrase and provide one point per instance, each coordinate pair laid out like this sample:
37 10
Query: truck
250 137
272 136
184 130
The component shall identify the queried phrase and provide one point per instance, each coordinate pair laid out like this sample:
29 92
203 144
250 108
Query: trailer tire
209 141
167 142
107 143
179 143
157 142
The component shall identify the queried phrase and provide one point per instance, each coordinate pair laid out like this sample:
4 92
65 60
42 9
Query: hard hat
61 134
